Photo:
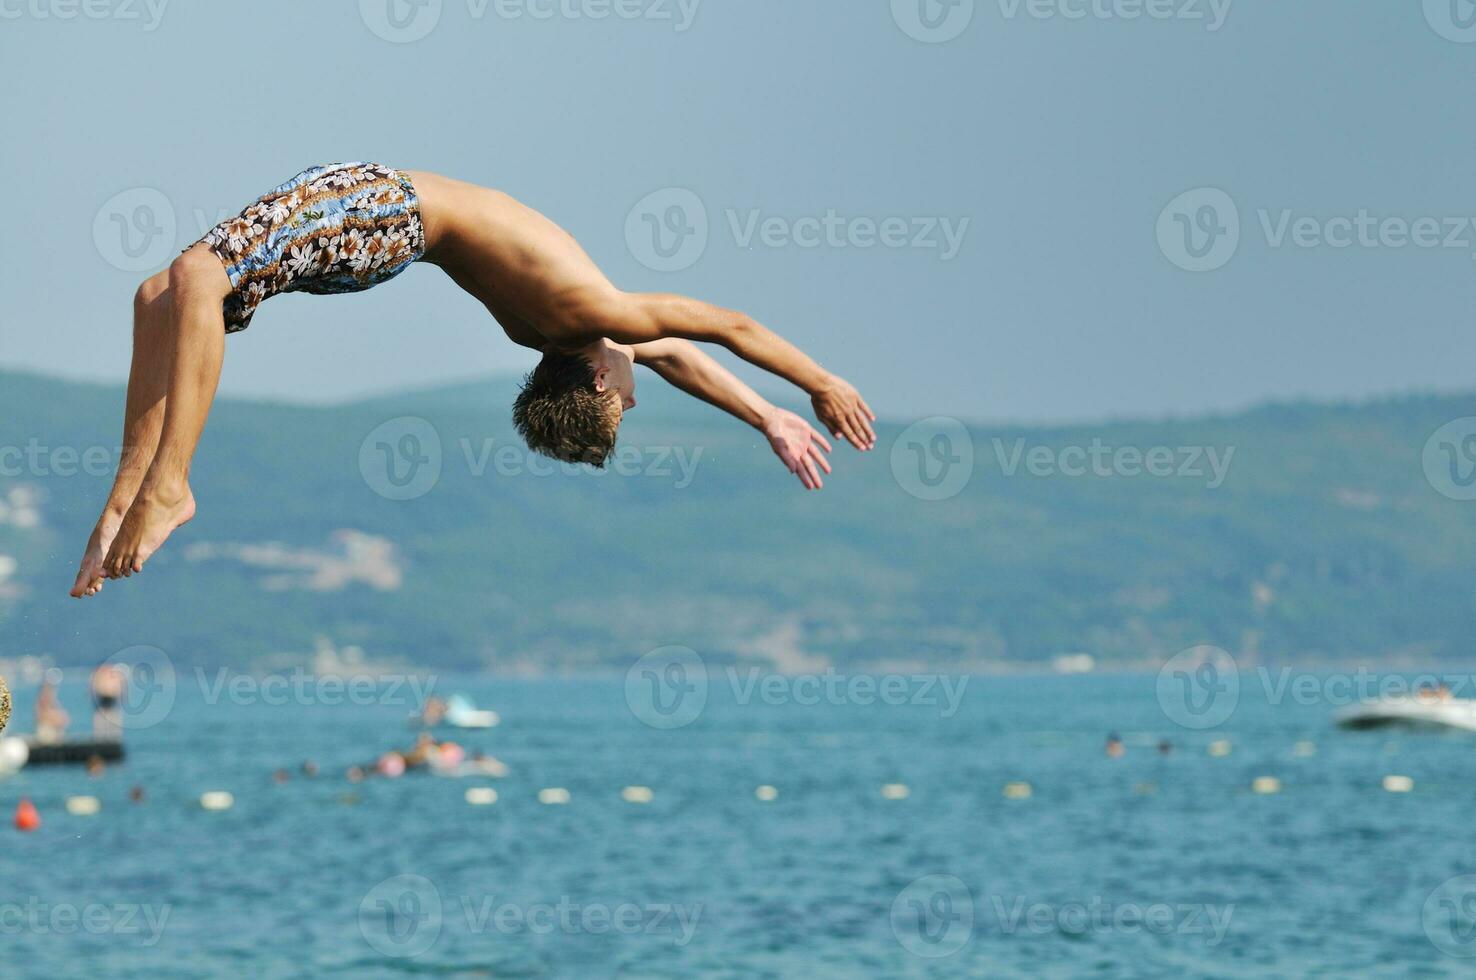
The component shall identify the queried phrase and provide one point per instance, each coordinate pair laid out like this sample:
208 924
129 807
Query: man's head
571 405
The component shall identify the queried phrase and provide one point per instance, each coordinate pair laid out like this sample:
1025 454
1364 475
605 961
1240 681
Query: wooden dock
75 752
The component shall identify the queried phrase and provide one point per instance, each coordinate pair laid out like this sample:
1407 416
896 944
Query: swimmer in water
1115 748
51 718
348 227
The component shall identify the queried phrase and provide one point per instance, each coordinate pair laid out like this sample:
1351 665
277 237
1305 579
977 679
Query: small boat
461 713
1410 712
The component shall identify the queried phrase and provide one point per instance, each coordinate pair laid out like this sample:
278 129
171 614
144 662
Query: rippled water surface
1148 865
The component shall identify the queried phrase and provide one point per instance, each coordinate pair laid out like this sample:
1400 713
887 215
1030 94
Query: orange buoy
27 818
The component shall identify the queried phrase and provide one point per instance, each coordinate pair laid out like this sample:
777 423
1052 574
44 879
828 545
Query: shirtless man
348 227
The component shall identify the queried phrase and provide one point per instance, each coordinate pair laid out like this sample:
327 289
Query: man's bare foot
153 517
90 577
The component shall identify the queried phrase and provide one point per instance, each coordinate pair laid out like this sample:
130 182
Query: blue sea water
1147 865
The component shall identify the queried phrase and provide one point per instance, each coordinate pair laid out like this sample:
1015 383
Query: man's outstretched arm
794 441
637 318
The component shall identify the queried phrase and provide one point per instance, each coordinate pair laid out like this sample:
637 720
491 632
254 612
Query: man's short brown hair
560 414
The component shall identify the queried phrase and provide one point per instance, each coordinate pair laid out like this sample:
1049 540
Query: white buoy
1017 791
481 796
1266 785
766 794
895 791
1305 750
83 806
1398 784
637 794
553 796
1219 749
217 800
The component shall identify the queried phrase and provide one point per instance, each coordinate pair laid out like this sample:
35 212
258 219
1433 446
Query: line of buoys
27 818
481 796
553 796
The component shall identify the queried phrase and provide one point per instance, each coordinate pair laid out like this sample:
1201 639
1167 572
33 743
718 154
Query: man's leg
148 383
195 332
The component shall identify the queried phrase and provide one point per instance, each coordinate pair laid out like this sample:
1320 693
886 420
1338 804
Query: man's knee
150 292
198 272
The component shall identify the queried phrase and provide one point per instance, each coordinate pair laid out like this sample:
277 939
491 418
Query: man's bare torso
516 262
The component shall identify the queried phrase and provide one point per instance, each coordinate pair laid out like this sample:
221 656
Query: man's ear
602 380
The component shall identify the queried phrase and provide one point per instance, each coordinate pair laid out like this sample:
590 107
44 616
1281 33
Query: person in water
51 718
351 226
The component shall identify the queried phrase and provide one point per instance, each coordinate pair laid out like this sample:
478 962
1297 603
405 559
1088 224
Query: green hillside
1326 540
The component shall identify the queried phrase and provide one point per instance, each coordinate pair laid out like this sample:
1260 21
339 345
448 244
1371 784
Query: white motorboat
1410 712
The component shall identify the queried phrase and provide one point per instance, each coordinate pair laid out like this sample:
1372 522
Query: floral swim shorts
335 229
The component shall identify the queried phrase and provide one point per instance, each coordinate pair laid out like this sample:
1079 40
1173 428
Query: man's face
616 372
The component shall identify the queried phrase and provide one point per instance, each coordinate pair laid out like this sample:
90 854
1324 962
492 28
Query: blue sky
985 217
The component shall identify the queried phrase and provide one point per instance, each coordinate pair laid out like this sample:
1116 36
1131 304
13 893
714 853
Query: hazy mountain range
1291 532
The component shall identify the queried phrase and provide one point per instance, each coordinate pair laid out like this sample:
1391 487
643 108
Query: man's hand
841 409
798 446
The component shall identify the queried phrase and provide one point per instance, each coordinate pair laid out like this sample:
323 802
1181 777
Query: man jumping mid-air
351 226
